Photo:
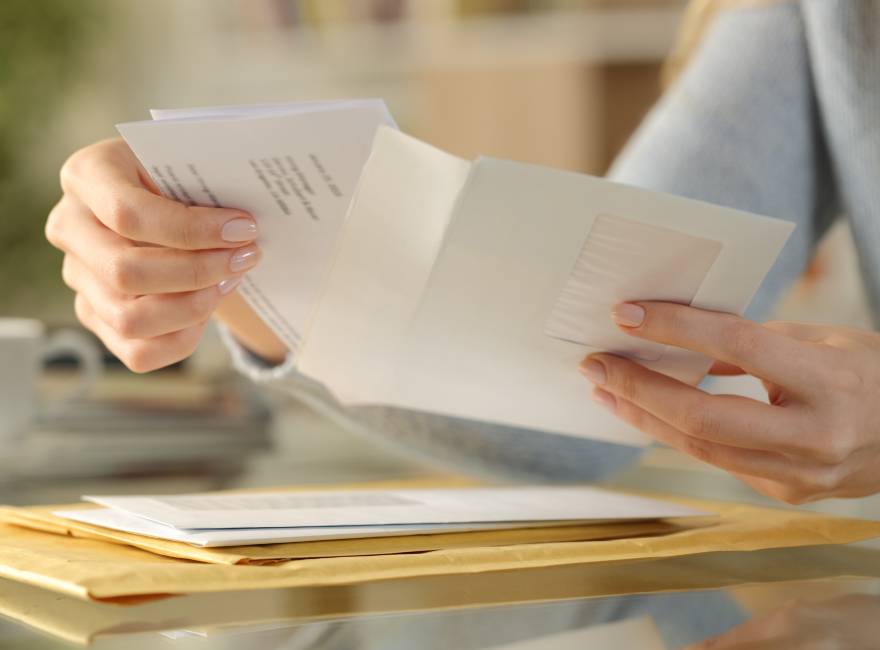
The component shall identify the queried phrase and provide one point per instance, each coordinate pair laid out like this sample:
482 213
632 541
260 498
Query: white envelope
117 519
449 274
392 507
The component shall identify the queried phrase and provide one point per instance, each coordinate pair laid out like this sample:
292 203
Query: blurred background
471 76
554 82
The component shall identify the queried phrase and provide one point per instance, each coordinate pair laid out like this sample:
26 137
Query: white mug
24 350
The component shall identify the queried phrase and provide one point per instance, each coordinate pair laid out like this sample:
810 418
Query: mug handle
88 356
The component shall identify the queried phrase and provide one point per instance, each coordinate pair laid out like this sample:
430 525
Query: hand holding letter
148 271
818 437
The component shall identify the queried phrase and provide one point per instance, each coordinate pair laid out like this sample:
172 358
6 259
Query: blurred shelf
590 36
342 59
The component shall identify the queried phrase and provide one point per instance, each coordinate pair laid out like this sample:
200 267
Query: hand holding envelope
819 435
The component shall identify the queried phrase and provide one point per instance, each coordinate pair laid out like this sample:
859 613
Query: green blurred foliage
42 45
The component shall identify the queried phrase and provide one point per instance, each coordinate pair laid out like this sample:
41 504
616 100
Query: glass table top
795 598
823 596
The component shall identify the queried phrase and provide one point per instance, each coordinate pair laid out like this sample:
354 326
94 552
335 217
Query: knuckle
66 175
742 338
625 383
67 272
805 484
839 446
847 380
142 356
187 348
200 268
698 449
832 451
672 319
79 308
70 170
192 232
77 167
122 216
114 149
824 480
631 413
139 357
201 305
52 229
125 321
697 420
792 495
122 271
629 387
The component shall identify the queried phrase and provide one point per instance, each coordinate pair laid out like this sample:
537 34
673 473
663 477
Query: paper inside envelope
623 259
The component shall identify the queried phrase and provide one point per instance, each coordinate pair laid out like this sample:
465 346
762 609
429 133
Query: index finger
760 351
731 420
106 177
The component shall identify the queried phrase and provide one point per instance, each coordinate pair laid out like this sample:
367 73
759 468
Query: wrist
250 330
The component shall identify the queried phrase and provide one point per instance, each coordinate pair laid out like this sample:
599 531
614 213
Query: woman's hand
818 437
148 272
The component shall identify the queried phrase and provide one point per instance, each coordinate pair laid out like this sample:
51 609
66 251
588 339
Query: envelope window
626 260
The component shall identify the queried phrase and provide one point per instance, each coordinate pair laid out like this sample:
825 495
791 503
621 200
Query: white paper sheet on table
392 507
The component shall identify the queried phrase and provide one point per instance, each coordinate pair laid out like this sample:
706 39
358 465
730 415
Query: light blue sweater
777 112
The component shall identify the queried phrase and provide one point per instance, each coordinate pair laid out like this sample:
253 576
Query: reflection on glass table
767 597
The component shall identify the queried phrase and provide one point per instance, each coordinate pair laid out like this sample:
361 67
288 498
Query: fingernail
228 286
594 371
628 314
604 398
244 259
239 230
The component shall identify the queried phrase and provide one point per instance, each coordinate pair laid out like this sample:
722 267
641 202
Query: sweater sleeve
740 128
479 448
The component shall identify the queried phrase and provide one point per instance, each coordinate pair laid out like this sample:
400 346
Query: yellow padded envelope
97 569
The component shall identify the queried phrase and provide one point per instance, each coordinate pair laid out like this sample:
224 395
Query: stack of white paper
400 275
274 517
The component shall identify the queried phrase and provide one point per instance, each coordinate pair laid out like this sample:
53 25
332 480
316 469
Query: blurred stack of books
141 428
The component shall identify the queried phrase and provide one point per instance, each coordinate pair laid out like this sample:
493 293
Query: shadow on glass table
786 598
